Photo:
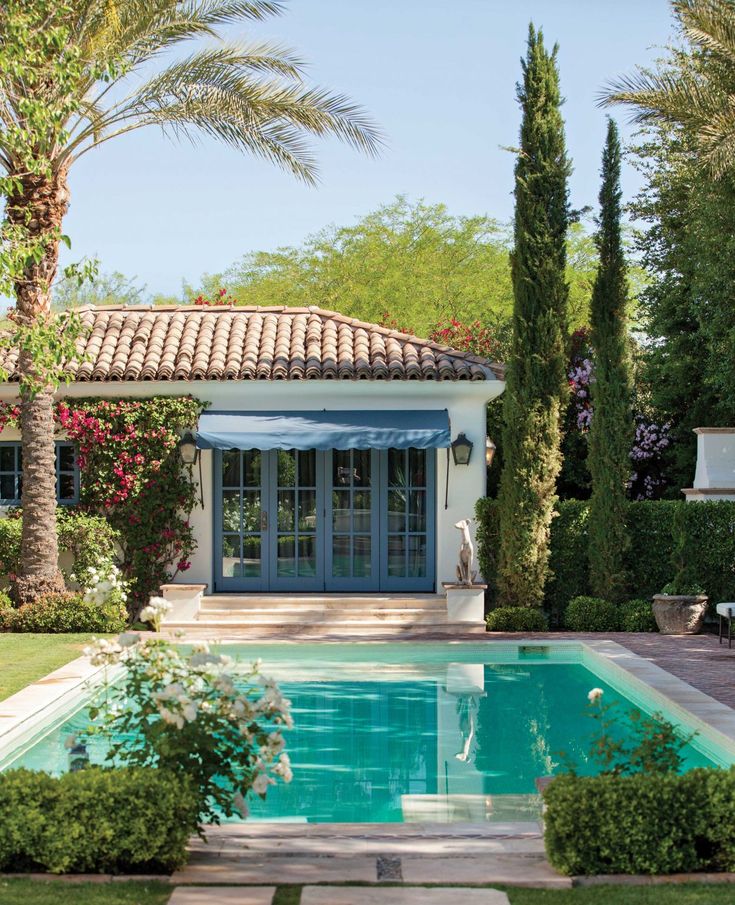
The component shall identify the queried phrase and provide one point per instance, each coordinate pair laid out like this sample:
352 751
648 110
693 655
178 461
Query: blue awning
324 430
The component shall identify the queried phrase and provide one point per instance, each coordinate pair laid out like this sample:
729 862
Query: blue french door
340 520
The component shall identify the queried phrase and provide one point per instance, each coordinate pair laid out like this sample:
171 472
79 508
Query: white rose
594 696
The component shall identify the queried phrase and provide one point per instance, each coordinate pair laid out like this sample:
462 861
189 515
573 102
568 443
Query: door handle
264 521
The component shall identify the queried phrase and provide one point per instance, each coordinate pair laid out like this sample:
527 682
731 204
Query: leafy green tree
535 381
611 433
414 261
74 75
103 289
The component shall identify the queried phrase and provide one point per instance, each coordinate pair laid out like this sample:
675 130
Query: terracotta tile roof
225 343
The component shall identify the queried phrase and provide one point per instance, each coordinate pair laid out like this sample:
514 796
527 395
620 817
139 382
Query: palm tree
75 74
694 90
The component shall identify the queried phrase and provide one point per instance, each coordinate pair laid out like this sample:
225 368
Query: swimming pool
392 732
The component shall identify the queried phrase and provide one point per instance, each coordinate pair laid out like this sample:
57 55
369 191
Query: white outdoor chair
726 611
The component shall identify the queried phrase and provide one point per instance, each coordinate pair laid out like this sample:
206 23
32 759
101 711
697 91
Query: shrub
569 576
56 613
89 540
130 819
193 714
592 614
487 535
516 619
663 534
637 616
641 824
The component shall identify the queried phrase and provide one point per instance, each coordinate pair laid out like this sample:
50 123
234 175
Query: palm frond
664 96
694 89
251 96
709 25
218 92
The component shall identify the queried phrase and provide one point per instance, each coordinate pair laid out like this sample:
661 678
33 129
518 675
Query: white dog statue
465 573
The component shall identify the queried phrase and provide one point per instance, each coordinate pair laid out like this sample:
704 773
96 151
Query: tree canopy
410 262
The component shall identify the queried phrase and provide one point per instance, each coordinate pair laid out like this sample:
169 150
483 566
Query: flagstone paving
223 895
350 895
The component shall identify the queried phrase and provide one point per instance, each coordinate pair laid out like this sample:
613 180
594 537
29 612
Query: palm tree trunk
40 208
39 548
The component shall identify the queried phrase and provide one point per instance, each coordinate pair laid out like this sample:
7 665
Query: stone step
257 616
277 603
331 629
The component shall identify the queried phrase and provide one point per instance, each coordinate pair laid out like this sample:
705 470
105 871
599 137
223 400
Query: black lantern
462 450
188 448
490 448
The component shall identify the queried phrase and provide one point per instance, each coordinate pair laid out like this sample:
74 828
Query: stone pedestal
714 478
185 600
465 603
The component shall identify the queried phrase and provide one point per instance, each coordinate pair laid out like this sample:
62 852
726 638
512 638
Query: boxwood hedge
641 824
663 533
128 819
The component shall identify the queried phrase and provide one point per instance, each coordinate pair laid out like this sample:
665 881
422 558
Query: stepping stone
222 895
230 869
400 895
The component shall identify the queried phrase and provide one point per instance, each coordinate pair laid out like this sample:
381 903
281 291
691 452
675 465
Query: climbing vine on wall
132 474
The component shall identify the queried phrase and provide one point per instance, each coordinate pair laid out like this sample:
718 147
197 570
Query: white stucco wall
715 459
464 400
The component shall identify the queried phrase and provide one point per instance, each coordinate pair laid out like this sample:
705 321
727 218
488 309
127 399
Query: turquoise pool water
433 732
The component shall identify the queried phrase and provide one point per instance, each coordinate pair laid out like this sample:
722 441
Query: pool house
334 456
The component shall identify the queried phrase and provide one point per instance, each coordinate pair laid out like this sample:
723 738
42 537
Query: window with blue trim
11 474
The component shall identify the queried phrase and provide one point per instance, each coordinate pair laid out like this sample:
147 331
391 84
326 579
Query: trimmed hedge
516 619
130 819
663 533
641 824
637 616
68 612
591 614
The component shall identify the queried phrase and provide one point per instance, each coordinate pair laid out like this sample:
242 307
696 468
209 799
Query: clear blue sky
439 77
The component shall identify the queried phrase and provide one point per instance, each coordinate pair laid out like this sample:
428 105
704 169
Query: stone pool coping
46 696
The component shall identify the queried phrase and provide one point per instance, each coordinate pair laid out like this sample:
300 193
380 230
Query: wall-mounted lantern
490 448
462 450
190 456
188 448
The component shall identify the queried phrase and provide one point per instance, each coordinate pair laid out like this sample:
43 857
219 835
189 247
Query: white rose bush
195 712
630 742
155 611
104 581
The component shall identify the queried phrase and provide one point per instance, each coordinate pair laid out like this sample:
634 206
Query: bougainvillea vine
132 474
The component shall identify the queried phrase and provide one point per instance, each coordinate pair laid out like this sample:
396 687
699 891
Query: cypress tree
536 384
611 432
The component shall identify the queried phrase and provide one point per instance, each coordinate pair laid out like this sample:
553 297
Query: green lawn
25 658
39 892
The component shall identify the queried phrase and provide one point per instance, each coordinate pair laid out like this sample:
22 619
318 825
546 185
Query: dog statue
465 573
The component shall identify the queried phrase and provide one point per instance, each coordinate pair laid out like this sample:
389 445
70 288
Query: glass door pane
242 525
296 517
352 522
408 518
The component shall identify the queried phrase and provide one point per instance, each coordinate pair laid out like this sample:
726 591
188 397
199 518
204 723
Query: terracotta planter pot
679 614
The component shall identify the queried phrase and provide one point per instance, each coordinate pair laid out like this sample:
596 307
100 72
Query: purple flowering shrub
647 480
651 440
